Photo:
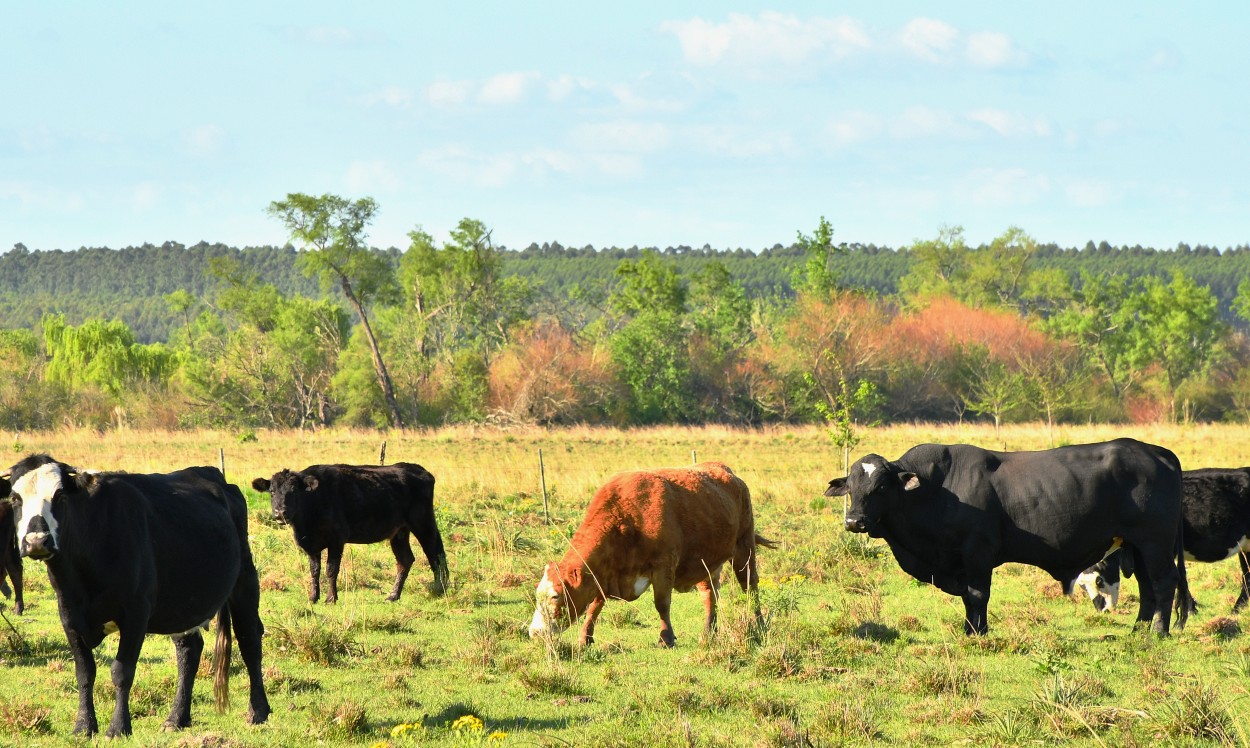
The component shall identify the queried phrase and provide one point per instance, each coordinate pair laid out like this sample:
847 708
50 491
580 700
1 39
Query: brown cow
669 529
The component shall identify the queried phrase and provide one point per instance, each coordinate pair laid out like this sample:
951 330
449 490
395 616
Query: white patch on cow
640 585
1088 581
1243 546
868 469
36 489
546 590
196 630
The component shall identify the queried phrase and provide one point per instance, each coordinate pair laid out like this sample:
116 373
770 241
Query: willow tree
331 232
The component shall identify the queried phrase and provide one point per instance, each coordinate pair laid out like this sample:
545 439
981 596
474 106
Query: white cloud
501 169
392 96
770 38
631 100
204 140
371 176
923 122
1004 187
144 197
1009 124
565 86
739 142
1083 193
506 88
444 93
928 39
990 49
854 127
632 137
29 197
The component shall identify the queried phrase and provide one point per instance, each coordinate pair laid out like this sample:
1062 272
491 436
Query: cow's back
690 517
365 503
185 527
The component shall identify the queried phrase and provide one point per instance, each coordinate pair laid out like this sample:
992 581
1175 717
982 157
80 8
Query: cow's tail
221 660
1184 603
760 540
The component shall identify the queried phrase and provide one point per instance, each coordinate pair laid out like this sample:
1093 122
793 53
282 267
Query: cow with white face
32 494
142 554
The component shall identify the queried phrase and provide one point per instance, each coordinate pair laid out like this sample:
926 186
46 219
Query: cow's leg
187 650
314 571
403 561
1241 599
588 626
1163 579
1145 589
747 574
14 564
976 598
709 590
84 673
130 633
426 531
663 589
248 630
334 557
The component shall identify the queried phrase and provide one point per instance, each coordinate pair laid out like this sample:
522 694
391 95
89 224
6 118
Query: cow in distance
668 529
951 514
143 554
329 506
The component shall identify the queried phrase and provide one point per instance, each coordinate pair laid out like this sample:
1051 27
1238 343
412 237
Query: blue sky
731 124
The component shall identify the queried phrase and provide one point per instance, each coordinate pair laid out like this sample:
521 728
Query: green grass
852 651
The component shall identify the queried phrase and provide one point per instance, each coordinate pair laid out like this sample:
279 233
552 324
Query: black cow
143 554
329 506
10 558
952 513
1215 505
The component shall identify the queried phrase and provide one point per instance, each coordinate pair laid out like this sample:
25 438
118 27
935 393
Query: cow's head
873 483
1103 589
286 490
36 487
555 610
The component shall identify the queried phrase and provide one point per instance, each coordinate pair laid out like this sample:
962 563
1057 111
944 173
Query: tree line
329 330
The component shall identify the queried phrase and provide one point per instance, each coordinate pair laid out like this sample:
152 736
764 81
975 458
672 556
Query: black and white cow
952 513
1215 505
329 506
10 558
143 554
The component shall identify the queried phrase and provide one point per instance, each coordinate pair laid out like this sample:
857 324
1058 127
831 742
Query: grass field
853 651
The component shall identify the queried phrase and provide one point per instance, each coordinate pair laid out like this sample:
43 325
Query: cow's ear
910 481
261 484
310 482
837 487
86 480
574 576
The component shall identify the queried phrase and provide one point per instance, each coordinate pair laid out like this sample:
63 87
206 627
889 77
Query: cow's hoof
392 598
668 642
258 716
172 726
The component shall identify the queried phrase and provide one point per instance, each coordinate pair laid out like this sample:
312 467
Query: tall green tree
1103 327
816 274
1179 327
940 265
331 231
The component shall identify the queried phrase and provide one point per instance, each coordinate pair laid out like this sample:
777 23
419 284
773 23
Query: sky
732 124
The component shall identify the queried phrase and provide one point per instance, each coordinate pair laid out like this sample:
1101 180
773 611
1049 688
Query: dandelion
381 744
468 722
400 730
498 736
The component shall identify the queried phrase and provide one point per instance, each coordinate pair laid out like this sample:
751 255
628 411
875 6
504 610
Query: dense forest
129 284
328 330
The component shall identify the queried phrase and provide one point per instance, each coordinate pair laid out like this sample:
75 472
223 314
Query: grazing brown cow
670 529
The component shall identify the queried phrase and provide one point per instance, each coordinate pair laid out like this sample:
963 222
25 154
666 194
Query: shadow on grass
456 710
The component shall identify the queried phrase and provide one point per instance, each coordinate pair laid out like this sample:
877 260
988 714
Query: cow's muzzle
38 545
279 518
856 524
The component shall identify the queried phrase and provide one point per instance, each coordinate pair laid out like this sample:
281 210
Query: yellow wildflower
468 722
496 736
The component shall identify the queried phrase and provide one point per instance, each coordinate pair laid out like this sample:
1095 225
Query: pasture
852 652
